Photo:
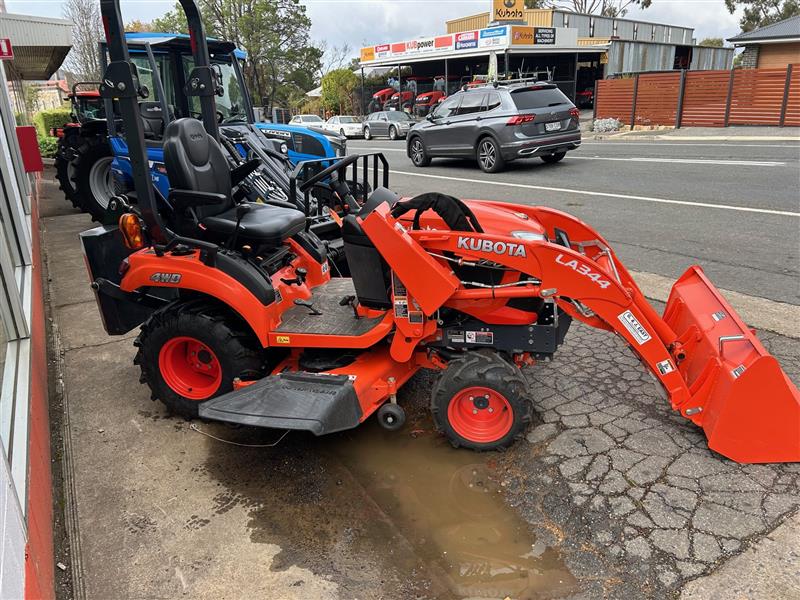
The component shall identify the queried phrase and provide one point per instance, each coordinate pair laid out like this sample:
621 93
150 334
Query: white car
344 125
307 121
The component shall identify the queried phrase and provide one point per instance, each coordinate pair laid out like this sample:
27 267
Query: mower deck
335 318
318 403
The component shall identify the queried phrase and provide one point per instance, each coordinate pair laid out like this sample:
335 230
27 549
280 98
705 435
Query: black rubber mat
334 320
306 401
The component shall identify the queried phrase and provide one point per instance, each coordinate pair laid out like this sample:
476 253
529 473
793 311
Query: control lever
309 305
241 210
351 302
299 279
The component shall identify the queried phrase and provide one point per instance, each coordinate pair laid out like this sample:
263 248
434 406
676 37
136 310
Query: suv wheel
419 155
392 133
367 134
489 158
553 158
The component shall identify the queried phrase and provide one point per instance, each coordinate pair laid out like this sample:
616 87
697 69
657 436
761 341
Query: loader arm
711 365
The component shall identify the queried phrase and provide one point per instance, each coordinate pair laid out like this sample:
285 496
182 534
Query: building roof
787 29
40 44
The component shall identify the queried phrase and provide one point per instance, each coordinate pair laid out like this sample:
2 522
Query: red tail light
520 119
575 112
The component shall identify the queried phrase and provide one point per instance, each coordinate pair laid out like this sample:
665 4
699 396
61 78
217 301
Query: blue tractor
95 162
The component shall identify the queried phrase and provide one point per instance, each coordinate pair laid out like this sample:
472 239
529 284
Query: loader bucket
745 403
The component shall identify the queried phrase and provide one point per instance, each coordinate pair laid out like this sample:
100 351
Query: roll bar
202 81
121 82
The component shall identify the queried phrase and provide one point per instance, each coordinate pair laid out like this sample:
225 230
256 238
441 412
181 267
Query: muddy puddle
445 505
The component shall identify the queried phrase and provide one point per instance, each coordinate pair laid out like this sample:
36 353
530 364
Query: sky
366 22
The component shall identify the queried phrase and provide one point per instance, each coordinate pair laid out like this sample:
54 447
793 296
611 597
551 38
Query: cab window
447 108
471 103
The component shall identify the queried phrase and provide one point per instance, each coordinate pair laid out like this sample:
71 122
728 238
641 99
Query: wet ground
611 494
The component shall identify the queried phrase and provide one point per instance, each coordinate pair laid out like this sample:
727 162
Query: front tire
551 159
418 152
192 351
367 133
480 402
94 186
489 158
392 133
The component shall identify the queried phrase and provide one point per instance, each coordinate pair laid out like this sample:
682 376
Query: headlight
531 236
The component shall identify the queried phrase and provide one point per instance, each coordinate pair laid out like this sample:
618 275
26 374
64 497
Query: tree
713 42
141 26
334 57
758 13
606 8
337 90
87 31
281 61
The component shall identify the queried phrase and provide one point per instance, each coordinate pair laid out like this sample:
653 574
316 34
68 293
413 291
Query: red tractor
427 101
380 98
82 138
242 321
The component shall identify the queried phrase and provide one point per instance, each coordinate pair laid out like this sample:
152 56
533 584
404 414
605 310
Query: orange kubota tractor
244 323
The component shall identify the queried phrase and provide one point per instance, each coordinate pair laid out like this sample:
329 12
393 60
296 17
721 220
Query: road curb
634 136
760 313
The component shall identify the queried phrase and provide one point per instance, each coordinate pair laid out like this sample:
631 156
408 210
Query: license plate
555 126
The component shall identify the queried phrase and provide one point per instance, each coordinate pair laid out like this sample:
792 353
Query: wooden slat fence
703 98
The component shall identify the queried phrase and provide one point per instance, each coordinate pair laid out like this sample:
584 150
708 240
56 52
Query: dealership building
571 49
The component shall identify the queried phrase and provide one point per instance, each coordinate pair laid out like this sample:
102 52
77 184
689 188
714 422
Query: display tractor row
244 320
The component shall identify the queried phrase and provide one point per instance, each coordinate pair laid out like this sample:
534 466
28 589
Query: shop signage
368 54
382 50
521 36
466 40
544 35
508 10
6 51
444 42
494 36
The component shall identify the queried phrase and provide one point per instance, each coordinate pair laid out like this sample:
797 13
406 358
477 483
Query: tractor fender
230 282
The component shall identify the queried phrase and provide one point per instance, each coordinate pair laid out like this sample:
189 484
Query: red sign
6 52
399 47
382 48
444 41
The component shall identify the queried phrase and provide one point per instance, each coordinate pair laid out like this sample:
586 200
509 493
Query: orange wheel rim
480 414
190 368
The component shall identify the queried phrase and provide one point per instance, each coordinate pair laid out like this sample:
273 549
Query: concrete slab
80 326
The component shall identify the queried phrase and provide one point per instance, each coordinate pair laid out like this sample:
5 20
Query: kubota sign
508 10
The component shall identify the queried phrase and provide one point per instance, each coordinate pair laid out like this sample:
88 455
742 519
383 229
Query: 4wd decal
165 277
636 329
479 245
583 270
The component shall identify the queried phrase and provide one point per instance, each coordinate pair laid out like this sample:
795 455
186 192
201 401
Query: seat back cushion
194 161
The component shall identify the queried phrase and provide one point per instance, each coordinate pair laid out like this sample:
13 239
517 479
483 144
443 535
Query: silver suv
498 123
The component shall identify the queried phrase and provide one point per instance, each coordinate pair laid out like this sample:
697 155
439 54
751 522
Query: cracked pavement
627 487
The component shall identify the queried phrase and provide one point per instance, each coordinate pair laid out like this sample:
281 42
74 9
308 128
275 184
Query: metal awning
40 45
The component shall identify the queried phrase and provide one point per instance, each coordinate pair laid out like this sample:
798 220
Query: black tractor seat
264 224
202 192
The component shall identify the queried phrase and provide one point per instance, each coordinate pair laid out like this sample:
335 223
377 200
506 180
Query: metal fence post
786 93
681 90
633 102
728 100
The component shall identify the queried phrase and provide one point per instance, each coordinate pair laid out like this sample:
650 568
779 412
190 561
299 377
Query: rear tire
223 347
553 158
392 133
367 133
418 152
65 170
93 181
480 402
489 158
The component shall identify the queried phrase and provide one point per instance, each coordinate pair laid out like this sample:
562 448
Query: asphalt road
733 208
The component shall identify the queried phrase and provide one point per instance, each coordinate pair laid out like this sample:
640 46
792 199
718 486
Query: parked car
426 102
307 121
496 124
391 123
344 125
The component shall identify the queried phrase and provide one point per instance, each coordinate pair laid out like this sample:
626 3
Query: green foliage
758 13
713 42
46 120
337 90
281 60
47 145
